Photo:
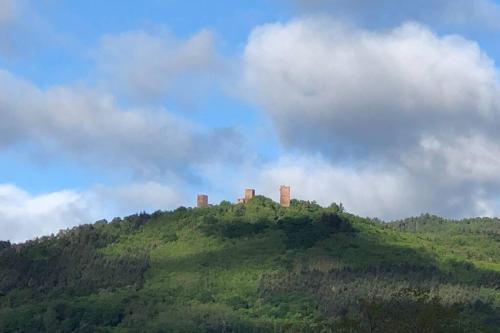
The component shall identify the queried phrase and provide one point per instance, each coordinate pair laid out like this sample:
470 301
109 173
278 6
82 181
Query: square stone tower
249 194
285 196
202 201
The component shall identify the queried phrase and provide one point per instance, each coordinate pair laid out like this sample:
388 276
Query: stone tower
202 201
285 196
249 194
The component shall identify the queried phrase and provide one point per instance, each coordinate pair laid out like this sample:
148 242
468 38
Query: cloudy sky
124 106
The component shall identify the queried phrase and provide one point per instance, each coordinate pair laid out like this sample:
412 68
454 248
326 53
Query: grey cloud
8 16
147 66
88 125
22 29
8 11
482 14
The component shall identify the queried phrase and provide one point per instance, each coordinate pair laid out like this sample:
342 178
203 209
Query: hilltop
256 267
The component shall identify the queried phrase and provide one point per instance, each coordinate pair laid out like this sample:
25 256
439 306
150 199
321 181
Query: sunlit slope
252 268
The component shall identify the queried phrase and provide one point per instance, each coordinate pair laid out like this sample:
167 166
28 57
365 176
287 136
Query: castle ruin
249 194
285 196
202 201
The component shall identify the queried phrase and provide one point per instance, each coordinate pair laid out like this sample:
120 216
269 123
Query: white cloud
146 66
369 192
385 192
89 126
341 90
25 216
466 158
405 120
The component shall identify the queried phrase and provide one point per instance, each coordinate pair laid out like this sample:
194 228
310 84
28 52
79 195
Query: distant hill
256 268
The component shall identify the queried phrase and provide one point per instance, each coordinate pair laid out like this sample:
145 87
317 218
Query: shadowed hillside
256 268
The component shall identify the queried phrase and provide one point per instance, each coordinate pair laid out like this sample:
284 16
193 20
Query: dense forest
256 267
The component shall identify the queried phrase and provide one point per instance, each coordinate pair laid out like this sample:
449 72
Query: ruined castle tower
285 196
249 194
202 201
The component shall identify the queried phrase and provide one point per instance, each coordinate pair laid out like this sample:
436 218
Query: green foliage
255 267
305 231
71 262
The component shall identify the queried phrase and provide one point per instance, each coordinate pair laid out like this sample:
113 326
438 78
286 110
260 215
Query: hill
256 268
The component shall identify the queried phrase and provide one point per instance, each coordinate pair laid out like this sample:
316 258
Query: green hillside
256 268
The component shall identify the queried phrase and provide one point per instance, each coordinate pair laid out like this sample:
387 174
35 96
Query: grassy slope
196 279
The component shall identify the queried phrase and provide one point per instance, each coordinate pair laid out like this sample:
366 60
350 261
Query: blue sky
73 29
122 106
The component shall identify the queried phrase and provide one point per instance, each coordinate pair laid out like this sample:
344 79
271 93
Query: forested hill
256 268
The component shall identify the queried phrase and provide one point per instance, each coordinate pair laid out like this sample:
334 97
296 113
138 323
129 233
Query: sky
116 107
